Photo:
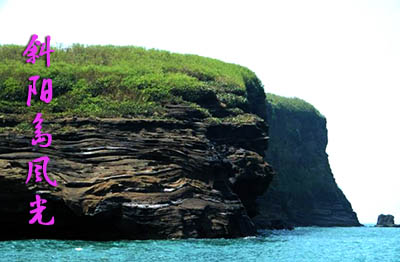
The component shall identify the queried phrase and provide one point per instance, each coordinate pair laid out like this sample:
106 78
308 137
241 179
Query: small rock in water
385 221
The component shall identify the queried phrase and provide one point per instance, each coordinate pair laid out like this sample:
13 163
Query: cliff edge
304 191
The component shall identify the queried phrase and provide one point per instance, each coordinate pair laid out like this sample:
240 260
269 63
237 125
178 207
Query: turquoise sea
302 244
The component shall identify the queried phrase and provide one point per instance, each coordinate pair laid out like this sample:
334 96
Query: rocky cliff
151 145
146 145
304 191
137 179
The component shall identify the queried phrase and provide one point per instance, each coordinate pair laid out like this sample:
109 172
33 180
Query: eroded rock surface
137 179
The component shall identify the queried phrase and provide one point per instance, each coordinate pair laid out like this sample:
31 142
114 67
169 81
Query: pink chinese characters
39 136
38 212
38 166
32 49
46 93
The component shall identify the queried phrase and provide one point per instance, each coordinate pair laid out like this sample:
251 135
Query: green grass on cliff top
111 81
291 104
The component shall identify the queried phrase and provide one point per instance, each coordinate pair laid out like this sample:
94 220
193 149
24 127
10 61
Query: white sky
342 56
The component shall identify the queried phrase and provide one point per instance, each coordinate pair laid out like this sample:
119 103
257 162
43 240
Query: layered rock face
137 179
304 191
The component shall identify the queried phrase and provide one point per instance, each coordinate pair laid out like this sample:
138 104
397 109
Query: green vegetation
291 104
111 81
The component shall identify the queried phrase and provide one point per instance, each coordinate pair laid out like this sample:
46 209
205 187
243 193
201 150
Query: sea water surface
302 244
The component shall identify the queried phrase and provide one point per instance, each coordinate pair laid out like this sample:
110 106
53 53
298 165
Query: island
149 144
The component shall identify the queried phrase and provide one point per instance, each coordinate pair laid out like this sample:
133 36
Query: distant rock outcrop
386 221
304 191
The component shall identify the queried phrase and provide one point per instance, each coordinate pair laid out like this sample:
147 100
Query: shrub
233 101
13 90
125 81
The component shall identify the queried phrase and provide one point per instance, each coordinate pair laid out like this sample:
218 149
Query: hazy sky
343 56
